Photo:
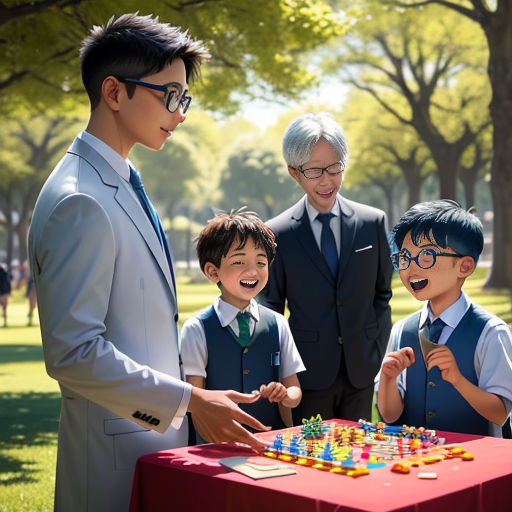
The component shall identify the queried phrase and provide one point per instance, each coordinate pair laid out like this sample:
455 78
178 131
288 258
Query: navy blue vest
230 366
429 400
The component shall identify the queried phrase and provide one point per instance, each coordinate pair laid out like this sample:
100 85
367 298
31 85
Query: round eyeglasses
426 258
173 99
313 173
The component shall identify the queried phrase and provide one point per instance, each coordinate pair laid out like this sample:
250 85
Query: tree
475 165
424 75
255 45
30 150
257 178
384 151
495 19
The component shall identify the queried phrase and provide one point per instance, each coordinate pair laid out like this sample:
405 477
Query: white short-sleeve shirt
193 348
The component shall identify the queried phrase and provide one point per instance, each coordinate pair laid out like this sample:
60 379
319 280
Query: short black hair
444 220
133 46
219 234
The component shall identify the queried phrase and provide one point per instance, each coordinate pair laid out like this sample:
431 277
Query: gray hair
305 131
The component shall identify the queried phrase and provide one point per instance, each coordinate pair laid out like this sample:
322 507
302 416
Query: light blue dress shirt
493 353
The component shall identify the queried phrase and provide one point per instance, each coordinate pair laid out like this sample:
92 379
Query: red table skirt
191 479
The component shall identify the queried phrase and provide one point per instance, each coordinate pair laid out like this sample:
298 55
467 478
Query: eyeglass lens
316 172
175 101
425 259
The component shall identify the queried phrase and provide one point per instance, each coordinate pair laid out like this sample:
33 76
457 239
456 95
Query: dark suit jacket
328 316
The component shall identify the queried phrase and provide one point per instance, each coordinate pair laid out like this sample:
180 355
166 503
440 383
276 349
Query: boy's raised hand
395 363
273 392
443 358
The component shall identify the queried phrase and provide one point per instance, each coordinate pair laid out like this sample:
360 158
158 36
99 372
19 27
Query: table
191 479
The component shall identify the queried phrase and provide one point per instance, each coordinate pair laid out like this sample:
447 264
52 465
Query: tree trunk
499 36
468 177
413 181
10 241
22 232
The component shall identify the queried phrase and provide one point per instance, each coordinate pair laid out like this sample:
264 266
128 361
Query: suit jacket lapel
128 202
348 232
302 228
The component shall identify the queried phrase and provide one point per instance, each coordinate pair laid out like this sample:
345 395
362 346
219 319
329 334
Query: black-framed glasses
426 258
316 172
173 98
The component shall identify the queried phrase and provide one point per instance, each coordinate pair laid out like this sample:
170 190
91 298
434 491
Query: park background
422 90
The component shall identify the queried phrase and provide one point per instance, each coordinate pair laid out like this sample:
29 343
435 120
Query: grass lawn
31 400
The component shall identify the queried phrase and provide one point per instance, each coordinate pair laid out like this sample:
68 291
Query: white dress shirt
316 225
193 348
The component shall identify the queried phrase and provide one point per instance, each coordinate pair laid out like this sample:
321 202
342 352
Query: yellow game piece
467 456
284 457
272 455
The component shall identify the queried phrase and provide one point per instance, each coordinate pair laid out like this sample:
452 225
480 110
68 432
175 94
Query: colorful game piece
354 450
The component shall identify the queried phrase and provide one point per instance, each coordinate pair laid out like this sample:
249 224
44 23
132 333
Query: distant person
464 383
104 276
5 291
30 293
332 269
236 343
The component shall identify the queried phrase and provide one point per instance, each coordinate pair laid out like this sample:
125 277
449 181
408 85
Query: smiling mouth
325 194
169 132
418 284
249 284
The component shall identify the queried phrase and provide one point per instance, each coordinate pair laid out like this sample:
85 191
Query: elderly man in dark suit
333 269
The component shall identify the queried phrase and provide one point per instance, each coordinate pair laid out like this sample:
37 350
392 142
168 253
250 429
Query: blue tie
328 243
138 188
435 329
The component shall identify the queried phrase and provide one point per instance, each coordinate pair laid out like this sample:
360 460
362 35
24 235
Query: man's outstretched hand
217 417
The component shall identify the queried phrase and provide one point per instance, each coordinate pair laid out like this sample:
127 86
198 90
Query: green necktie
244 335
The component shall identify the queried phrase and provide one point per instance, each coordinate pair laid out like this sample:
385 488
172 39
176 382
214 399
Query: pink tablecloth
191 479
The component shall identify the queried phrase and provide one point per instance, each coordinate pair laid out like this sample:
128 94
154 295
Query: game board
354 450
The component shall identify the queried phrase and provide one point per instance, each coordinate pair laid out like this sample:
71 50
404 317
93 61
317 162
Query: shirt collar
113 158
313 212
451 316
227 312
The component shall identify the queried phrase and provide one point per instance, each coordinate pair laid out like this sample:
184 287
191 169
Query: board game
355 450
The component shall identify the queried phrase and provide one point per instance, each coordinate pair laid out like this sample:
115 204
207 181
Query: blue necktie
328 243
435 330
138 188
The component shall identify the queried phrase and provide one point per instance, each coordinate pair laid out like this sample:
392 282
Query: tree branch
19 11
474 14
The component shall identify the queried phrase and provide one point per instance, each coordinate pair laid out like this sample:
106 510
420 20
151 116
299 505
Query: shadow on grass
20 353
27 420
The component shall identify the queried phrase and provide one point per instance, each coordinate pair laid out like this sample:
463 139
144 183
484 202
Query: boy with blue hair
236 343
465 383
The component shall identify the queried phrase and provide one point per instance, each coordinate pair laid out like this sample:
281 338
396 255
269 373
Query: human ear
293 173
211 272
110 89
466 266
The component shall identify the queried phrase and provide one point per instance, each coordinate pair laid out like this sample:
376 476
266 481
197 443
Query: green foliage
251 42
257 178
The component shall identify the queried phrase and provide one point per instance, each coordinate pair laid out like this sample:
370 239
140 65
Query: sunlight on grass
31 400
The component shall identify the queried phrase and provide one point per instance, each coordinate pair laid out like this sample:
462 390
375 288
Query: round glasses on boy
316 172
173 99
426 258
